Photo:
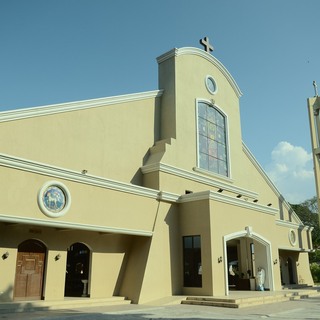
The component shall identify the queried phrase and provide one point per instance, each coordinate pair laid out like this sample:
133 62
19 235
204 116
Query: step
256 299
223 304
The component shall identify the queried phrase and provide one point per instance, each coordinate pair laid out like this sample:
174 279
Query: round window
292 237
54 199
211 85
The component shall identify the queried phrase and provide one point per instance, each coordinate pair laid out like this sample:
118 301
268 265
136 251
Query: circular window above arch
211 85
54 199
292 237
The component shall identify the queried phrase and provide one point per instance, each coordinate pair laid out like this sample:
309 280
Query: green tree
308 213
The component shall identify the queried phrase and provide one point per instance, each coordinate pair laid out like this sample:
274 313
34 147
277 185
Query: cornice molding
56 172
74 106
294 249
291 225
216 196
210 181
203 54
68 225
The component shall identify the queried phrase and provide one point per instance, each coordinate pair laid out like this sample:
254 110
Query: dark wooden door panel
29 275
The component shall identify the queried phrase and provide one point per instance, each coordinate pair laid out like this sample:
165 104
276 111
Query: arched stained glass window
212 140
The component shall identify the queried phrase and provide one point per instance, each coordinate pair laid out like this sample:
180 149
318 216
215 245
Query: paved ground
302 309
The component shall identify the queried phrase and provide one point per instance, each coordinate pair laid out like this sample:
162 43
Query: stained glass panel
222 152
212 139
202 126
222 167
202 110
203 161
220 135
211 131
211 115
213 148
213 164
203 144
219 119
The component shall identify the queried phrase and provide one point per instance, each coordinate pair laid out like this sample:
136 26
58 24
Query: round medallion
54 199
211 85
292 237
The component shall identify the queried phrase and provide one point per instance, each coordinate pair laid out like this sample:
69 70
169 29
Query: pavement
300 309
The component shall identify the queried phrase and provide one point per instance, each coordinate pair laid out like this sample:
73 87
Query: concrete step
235 303
67 303
252 300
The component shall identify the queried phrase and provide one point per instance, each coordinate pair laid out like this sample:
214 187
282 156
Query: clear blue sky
68 50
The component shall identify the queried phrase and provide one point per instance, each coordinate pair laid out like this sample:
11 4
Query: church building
144 196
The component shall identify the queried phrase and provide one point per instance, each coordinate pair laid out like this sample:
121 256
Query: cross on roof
207 46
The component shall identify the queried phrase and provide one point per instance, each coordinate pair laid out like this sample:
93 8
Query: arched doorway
251 251
29 270
77 273
241 263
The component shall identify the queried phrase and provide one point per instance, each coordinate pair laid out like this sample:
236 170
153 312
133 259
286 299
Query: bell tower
314 120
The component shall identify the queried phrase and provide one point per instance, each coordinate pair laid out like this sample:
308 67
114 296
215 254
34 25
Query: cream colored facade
314 121
140 216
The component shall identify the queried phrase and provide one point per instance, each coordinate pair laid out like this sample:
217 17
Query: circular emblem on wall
54 199
292 237
211 85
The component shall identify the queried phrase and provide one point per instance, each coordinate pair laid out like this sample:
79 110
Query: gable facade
144 195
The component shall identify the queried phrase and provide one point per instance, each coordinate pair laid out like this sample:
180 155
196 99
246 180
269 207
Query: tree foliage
308 213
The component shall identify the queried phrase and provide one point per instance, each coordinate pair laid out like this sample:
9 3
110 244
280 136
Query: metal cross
315 89
207 46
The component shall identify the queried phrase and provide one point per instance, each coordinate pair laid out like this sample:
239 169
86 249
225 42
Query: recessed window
212 140
192 266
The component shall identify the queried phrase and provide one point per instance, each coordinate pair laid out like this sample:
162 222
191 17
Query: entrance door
291 271
29 271
233 264
77 272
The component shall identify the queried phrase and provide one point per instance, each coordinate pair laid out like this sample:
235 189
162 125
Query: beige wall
195 220
107 259
7 274
105 269
109 141
102 207
162 275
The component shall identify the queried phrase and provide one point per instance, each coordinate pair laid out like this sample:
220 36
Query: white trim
69 225
213 175
228 199
259 238
77 105
203 54
294 249
289 224
181 173
56 172
168 196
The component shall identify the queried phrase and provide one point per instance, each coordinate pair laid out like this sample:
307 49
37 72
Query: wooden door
29 276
